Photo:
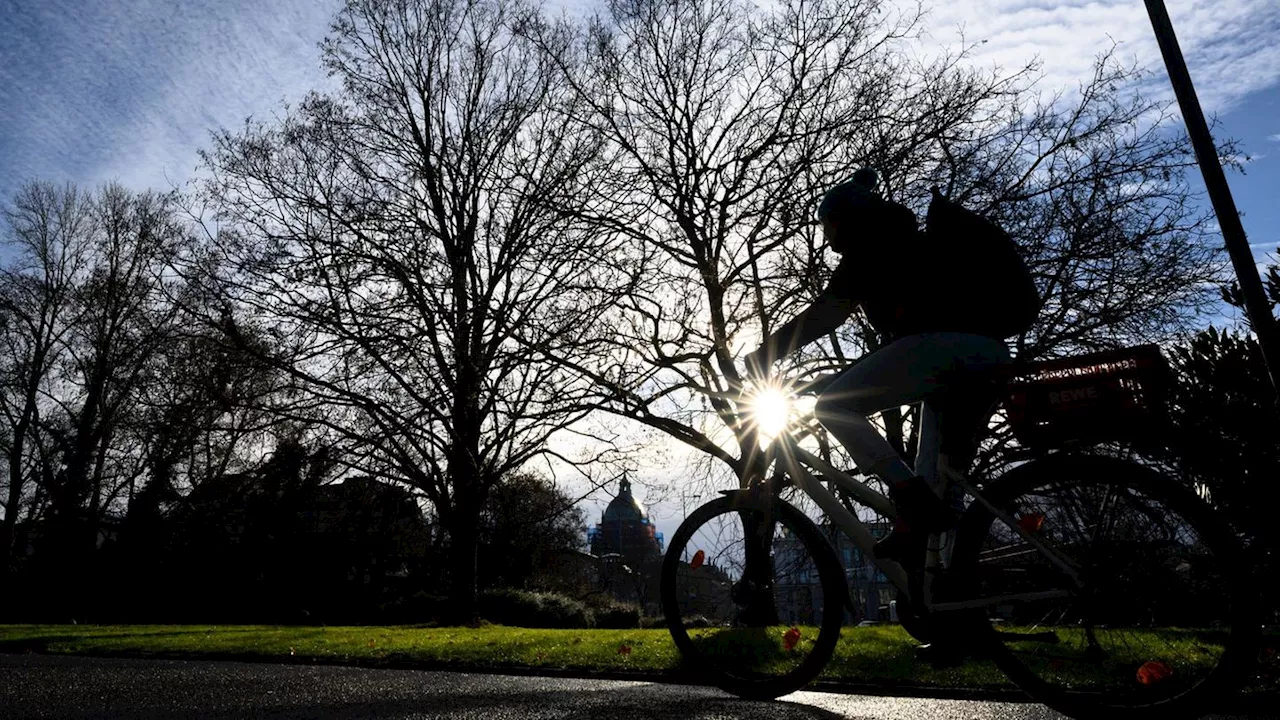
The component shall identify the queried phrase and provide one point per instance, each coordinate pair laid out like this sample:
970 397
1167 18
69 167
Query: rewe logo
1066 396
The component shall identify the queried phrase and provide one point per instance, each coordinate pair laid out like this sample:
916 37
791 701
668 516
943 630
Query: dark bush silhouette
617 616
525 608
1226 430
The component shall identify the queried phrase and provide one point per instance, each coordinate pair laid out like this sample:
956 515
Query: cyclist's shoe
920 507
920 513
941 655
902 545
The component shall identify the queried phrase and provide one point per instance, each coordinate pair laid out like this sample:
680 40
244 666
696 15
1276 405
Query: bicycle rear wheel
1161 617
757 613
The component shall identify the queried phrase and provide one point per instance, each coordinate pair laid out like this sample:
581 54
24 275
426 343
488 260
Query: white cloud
130 90
1229 45
1274 138
1241 158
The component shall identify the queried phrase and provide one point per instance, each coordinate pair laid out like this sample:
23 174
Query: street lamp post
1255 299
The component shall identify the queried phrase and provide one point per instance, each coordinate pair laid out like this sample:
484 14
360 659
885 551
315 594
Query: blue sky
128 90
96 90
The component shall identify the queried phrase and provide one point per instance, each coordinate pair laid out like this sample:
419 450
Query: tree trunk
17 482
463 545
9 525
754 594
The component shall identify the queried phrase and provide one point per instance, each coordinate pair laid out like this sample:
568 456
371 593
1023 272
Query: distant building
870 588
629 550
626 530
799 591
574 572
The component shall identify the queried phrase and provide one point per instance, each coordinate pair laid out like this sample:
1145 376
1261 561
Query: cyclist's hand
758 365
817 385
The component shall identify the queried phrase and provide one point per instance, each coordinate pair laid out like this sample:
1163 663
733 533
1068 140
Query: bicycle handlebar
816 386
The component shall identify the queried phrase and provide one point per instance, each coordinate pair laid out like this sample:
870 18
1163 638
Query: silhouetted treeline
504 245
1226 438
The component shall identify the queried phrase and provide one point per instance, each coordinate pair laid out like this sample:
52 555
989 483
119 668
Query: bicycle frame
796 462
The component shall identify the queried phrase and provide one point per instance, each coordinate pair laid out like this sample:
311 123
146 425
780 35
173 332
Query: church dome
624 507
626 530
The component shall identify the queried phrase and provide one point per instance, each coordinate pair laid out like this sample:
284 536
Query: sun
770 410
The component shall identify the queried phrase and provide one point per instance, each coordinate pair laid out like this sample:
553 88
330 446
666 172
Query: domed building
626 530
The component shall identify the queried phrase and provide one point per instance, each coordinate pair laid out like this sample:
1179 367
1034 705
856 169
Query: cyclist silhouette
931 345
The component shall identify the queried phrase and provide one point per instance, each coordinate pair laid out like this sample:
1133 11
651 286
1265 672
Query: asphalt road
46 686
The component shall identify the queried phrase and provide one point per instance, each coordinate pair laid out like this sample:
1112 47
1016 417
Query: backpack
979 276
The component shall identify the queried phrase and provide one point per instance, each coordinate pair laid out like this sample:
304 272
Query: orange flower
698 558
1031 523
1154 671
790 639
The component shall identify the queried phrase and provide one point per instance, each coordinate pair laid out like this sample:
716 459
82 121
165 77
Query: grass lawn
880 655
872 654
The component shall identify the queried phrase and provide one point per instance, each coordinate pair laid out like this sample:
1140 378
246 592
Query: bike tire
703 650
1165 587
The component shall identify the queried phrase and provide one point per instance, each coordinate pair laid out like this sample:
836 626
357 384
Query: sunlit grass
880 654
1190 655
863 655
483 647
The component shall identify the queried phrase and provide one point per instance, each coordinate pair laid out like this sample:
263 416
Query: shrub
562 611
420 607
649 622
522 608
618 616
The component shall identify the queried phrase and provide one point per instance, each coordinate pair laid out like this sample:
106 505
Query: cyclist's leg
959 413
950 428
901 373
880 380
928 442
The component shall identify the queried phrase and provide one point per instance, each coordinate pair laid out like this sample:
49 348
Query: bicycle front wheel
754 602
1156 621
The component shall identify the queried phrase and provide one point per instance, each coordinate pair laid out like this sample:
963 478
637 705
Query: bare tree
44 241
729 122
87 308
203 410
402 243
124 317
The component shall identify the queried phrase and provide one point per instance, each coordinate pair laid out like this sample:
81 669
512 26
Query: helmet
857 193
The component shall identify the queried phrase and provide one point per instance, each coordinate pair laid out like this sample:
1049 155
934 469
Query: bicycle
1096 585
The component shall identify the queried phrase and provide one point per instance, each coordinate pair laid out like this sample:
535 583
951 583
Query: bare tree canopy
727 122
90 312
503 237
404 242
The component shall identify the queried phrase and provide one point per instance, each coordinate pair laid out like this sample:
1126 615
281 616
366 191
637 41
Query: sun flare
770 410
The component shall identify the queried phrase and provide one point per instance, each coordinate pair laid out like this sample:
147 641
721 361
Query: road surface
49 686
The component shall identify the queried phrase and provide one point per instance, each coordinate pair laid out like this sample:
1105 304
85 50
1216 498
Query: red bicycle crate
1112 395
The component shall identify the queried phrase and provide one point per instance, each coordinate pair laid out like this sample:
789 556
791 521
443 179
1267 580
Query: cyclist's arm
832 308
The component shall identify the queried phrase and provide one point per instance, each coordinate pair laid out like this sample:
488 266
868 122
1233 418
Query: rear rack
1113 395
